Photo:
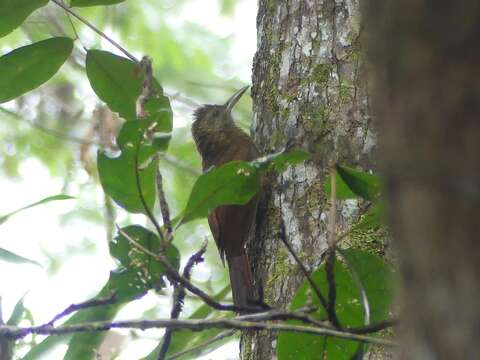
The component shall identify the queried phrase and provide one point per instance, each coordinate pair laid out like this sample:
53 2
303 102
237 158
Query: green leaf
118 81
118 176
14 13
8 256
84 3
40 202
375 277
361 183
159 114
28 67
150 270
186 339
343 191
233 183
17 313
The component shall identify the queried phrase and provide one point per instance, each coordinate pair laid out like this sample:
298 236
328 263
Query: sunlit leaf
343 191
83 3
28 67
9 256
159 114
4 218
375 277
148 269
14 12
118 175
234 183
118 81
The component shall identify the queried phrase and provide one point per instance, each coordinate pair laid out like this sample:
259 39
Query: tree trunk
308 88
427 63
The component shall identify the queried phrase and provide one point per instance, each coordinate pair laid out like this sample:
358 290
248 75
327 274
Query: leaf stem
97 30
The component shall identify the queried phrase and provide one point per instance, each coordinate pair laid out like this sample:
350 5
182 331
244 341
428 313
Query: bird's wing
214 222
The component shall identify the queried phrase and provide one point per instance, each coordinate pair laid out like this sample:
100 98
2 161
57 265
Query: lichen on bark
308 87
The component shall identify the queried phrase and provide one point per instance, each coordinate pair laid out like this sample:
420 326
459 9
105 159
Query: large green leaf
375 279
127 286
151 270
234 183
352 183
83 3
4 218
28 67
186 339
118 81
14 12
9 256
118 175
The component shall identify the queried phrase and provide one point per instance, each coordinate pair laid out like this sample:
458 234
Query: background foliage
70 127
50 137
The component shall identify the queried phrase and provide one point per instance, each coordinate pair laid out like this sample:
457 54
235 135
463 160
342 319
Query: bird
219 140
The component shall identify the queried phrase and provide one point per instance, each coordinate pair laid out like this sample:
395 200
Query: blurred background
202 52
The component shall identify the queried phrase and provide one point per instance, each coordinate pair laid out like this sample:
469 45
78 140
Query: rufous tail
241 280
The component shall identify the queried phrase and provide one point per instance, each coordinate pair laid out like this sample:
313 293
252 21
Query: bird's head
217 116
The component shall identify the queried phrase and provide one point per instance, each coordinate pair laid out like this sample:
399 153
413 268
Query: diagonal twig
331 255
173 275
306 273
110 299
97 30
179 297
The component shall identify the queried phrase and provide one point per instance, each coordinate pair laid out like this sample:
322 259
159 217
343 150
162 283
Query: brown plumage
219 141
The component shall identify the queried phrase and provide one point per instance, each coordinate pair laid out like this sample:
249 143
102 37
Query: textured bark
428 101
308 88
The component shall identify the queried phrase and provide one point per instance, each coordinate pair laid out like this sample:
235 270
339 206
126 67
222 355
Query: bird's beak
234 99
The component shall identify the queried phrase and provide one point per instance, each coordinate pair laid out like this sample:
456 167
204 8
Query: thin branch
331 255
164 209
71 23
333 209
219 337
97 30
84 305
368 329
15 332
332 289
179 298
314 286
148 91
149 213
173 275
